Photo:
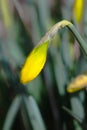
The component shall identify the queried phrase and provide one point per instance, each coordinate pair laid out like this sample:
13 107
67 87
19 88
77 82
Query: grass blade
12 112
34 113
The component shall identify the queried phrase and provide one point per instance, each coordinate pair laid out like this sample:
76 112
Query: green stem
64 23
81 42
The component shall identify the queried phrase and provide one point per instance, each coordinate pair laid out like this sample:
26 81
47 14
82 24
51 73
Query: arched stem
64 23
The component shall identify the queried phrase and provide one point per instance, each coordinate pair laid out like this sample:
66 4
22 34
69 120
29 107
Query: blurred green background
44 103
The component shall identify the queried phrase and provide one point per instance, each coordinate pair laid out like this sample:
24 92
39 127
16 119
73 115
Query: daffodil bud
34 63
77 84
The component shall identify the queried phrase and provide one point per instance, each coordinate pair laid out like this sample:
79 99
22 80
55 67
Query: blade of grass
34 113
59 70
12 112
79 120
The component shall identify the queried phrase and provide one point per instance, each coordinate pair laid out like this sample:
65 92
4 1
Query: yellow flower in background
34 63
78 10
78 83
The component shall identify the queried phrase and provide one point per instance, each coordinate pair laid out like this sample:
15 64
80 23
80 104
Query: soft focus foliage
44 103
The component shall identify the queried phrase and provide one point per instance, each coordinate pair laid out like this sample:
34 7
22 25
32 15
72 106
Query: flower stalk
35 61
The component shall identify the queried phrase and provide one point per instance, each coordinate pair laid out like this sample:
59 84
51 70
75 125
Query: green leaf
34 113
72 114
12 112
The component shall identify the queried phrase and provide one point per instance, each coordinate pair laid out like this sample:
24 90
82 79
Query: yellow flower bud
78 83
34 63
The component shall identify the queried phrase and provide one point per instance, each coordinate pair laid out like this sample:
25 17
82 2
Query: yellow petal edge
34 63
